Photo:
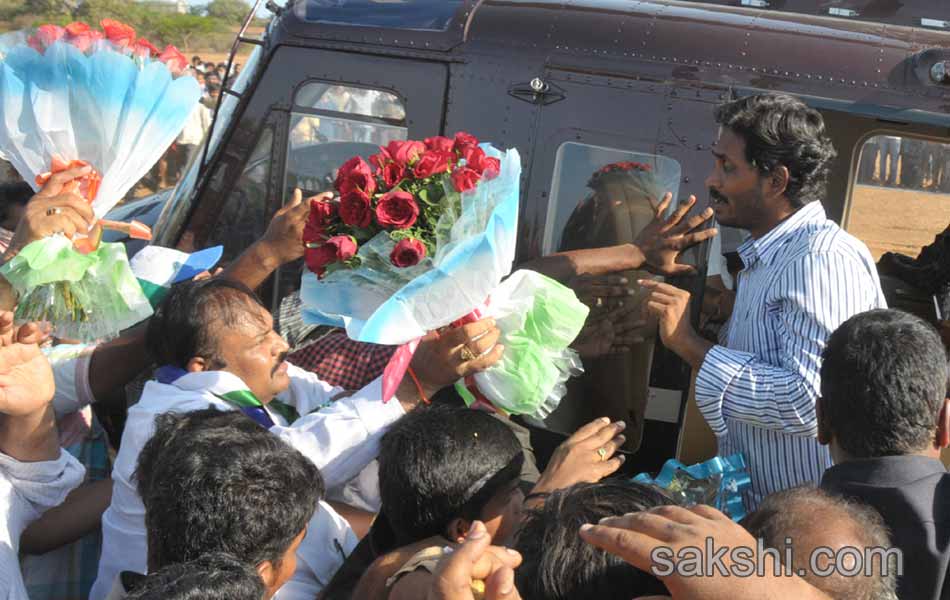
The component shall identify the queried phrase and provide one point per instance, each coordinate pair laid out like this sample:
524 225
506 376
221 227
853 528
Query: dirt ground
893 220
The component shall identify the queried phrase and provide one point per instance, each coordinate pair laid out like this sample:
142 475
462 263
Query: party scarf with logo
237 396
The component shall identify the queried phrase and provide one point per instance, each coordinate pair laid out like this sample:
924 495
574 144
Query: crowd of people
259 462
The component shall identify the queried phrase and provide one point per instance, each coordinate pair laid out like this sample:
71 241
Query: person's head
13 199
219 325
195 61
209 66
215 481
200 77
884 388
559 565
441 468
215 576
214 89
772 157
786 521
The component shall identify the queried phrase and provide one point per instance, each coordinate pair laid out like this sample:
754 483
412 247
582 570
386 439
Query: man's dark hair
559 565
16 192
439 463
184 324
788 518
195 59
883 382
215 481
782 130
217 576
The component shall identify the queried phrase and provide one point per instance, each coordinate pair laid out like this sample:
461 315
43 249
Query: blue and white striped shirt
757 392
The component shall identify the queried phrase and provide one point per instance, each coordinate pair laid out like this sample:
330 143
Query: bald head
828 537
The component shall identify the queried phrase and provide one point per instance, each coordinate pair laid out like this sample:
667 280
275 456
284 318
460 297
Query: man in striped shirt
803 276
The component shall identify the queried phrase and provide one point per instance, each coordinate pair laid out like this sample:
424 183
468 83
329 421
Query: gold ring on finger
467 354
53 211
602 453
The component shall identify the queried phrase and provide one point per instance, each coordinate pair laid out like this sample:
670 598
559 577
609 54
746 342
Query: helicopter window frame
306 109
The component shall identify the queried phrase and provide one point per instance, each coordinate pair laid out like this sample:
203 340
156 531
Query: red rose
49 34
407 253
465 179
439 144
81 35
405 152
483 164
339 248
392 174
355 209
431 163
118 33
173 59
144 48
397 210
77 28
380 160
321 215
465 144
355 174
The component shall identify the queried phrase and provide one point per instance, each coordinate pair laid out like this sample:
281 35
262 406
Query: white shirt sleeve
70 365
328 542
342 437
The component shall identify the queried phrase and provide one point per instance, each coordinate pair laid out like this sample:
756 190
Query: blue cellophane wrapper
84 296
116 112
475 249
538 318
719 482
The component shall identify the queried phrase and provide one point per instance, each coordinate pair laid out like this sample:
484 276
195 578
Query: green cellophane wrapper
538 318
84 297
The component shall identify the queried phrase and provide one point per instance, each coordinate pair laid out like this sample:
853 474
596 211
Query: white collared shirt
341 438
758 389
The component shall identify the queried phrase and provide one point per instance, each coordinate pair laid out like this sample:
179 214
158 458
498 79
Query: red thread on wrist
415 380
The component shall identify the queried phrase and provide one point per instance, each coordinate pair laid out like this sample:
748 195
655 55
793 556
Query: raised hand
26 380
669 305
56 208
284 235
476 564
663 240
585 457
613 332
30 333
601 292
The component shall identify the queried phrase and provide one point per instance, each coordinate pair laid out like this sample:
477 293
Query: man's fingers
588 430
323 197
680 212
631 546
693 222
500 585
602 437
484 343
663 205
608 468
708 512
663 288
58 180
462 335
484 362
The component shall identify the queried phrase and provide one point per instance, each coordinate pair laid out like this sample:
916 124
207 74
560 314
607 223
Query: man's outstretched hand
663 240
476 562
26 380
284 236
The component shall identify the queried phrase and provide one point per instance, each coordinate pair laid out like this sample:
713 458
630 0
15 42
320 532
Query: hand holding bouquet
421 237
72 96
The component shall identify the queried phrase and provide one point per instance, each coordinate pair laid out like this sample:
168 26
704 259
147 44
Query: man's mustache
280 361
716 195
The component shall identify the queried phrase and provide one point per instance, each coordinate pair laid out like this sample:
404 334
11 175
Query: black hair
213 87
184 324
789 515
883 382
195 59
216 576
439 463
781 130
215 481
559 565
17 192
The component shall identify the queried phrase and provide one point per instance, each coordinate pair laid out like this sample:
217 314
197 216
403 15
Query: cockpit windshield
427 15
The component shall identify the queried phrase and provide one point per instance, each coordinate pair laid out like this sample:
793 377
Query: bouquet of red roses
421 237
403 192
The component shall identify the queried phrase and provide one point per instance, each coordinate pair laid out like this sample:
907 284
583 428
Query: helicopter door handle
537 91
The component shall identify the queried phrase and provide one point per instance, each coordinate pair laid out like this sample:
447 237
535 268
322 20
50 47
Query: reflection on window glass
902 199
245 215
351 100
604 197
319 143
400 14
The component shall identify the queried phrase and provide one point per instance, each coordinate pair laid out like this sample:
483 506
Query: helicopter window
604 197
429 15
333 123
901 199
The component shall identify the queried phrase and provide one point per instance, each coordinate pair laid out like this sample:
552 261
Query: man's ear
268 573
825 435
942 437
196 365
776 182
457 529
